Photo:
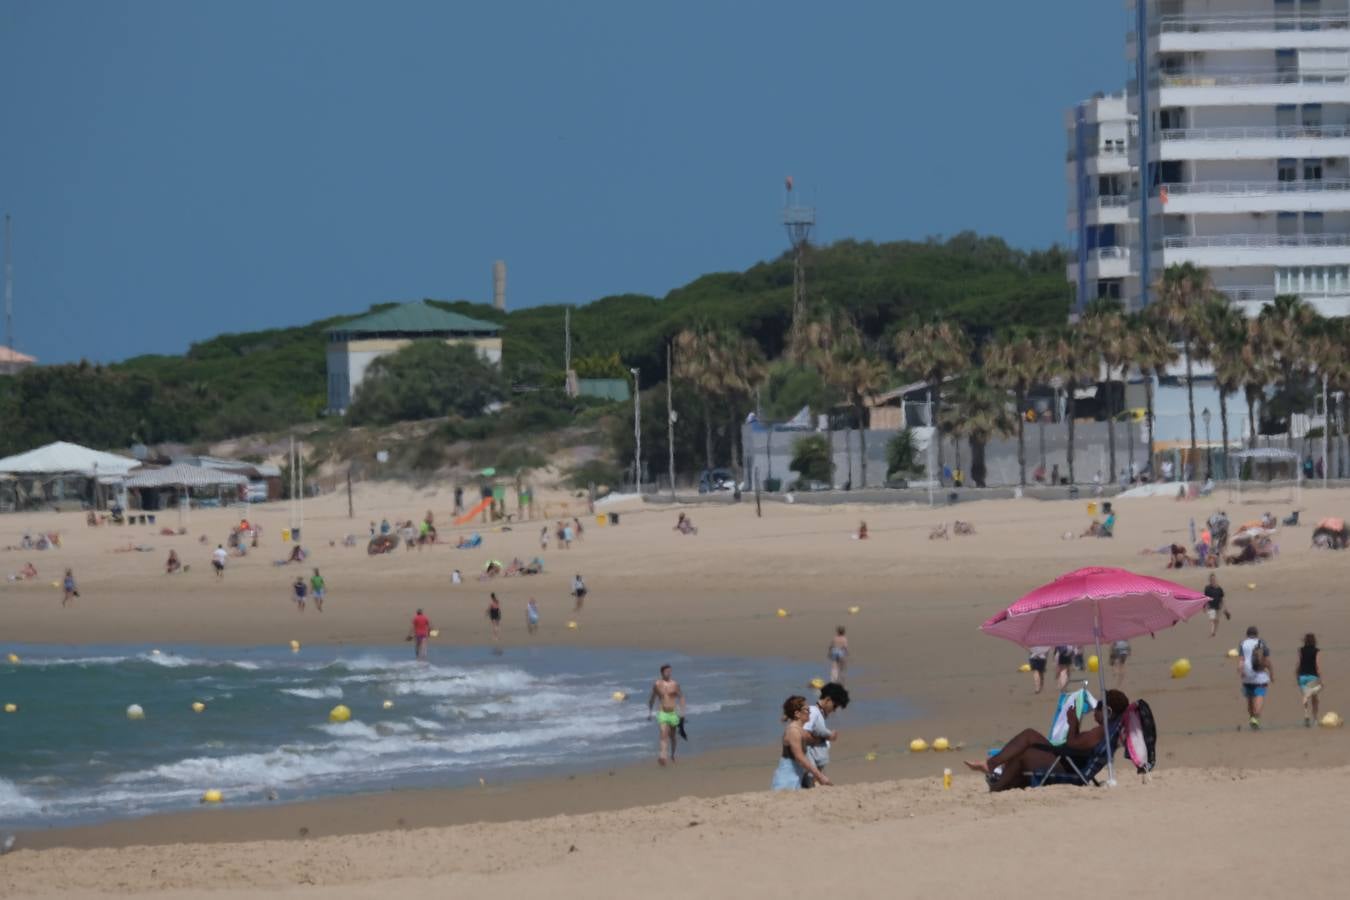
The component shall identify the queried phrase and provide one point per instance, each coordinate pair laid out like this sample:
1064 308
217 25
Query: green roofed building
354 345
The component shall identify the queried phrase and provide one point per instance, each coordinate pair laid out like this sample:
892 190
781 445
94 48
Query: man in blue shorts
1255 670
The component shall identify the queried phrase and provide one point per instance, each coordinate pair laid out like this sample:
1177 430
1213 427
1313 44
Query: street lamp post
1209 450
637 435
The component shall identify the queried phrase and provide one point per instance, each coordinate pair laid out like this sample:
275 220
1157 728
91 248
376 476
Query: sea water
71 755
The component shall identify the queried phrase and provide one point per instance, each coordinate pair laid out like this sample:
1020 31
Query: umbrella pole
1101 681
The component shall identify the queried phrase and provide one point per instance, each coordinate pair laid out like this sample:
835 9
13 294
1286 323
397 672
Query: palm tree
812 344
1108 336
1329 352
1152 354
696 362
1074 362
1287 325
858 374
1015 365
933 352
1181 294
1256 373
742 369
979 413
1227 331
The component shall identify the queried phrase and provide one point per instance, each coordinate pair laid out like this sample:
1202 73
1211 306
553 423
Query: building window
1312 170
1312 223
1287 170
1109 289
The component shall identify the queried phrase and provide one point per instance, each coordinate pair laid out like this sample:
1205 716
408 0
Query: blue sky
179 169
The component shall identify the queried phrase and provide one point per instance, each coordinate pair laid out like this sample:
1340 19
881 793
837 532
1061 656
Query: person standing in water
494 614
531 616
421 630
666 691
318 587
838 654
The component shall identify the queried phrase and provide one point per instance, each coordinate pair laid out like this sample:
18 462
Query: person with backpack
1255 670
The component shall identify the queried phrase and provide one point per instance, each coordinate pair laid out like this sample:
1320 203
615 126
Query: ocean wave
15 802
324 693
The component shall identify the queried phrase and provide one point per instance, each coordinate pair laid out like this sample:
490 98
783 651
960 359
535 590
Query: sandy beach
914 637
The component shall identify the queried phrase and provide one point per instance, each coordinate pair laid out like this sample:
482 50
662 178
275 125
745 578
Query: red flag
1162 195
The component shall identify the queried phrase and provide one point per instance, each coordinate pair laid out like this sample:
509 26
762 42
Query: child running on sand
838 654
70 589
299 590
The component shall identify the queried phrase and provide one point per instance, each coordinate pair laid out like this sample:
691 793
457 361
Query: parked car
713 481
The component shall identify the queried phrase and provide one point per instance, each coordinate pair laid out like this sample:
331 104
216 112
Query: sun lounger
1078 768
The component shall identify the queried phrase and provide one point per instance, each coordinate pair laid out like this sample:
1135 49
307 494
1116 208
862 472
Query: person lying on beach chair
939 533
964 528
1030 760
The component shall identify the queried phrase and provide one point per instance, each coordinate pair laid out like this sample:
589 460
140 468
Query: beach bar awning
62 458
183 475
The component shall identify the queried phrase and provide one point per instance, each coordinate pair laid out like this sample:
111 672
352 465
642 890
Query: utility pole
637 434
670 424
351 513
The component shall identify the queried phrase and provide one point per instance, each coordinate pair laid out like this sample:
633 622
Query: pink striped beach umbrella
1093 605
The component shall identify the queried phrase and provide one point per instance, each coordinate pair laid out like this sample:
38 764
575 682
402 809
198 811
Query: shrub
811 458
902 455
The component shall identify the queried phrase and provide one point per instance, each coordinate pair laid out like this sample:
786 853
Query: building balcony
1256 87
1109 159
1248 31
1103 211
1102 262
1254 142
1251 197
1234 250
1251 298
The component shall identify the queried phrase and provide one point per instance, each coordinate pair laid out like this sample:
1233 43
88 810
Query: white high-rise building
1242 127
1102 181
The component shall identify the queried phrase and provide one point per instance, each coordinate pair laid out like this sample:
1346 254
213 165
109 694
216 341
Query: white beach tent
185 477
1269 456
62 458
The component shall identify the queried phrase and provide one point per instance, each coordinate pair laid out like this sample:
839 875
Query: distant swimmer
421 630
666 691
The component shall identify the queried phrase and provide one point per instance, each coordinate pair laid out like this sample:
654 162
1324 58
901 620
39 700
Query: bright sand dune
915 636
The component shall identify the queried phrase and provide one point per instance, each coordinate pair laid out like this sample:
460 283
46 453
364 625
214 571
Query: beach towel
1081 702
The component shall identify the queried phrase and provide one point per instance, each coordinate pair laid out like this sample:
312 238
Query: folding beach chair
1078 768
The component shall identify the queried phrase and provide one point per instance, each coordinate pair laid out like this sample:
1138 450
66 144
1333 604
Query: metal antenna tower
798 220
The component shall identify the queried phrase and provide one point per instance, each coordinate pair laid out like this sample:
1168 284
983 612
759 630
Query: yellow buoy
388 704
339 714
870 757
295 646
134 711
1093 663
1233 653
782 613
1332 720
212 796
198 706
11 708
1181 668
571 624
1024 667
13 658
941 744
619 696
918 745
854 610
1251 585
817 683
435 632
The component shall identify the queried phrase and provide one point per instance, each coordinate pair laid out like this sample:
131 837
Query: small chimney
499 285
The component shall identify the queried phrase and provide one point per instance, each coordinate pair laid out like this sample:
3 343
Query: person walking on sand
1064 656
299 590
543 538
579 532
793 763
68 584
421 630
1036 659
666 691
218 557
1214 605
1120 654
838 654
531 616
1309 678
319 588
818 735
494 614
578 593
1255 671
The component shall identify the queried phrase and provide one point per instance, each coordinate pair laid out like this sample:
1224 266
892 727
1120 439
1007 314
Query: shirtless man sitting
1030 751
667 691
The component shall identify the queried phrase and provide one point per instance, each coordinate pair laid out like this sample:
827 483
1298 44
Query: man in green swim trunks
667 691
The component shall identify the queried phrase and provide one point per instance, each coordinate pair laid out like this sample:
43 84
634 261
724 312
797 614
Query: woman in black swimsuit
494 614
